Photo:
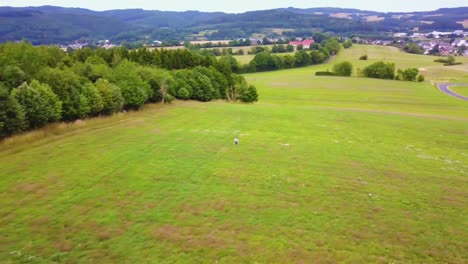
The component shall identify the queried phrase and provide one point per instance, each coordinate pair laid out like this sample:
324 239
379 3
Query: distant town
432 43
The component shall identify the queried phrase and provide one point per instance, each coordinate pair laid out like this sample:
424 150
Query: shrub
380 70
183 93
347 44
344 68
441 60
363 57
168 98
421 78
449 61
249 94
407 75
302 58
317 57
324 73
413 48
452 64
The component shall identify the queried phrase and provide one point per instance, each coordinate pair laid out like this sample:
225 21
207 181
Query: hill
57 25
49 24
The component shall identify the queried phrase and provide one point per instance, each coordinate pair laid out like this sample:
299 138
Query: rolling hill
50 24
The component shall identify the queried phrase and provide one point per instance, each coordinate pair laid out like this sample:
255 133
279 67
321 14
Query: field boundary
445 88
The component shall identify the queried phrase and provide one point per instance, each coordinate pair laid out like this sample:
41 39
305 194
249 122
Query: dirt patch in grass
364 169
215 204
453 201
190 237
30 192
28 188
453 197
41 225
101 232
392 174
63 245
33 192
300 255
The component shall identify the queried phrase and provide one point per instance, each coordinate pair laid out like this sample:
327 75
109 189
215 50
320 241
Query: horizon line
201 11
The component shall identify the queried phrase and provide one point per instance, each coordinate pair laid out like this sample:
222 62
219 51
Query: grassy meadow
461 90
433 71
328 170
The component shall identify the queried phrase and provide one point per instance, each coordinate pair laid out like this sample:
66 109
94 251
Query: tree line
316 54
39 85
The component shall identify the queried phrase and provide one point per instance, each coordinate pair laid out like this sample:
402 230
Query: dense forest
39 85
54 25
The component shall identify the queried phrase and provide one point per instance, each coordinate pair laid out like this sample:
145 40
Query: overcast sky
238 6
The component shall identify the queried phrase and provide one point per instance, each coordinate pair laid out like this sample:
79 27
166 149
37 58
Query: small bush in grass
407 75
249 94
421 78
452 64
363 57
324 73
168 98
380 70
441 60
449 61
344 68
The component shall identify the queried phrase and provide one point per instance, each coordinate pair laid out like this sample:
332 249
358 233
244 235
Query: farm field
247 58
328 170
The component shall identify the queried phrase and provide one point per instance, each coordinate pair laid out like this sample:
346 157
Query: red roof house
305 43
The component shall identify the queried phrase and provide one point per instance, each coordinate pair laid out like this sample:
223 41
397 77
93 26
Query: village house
446 49
305 43
256 41
459 43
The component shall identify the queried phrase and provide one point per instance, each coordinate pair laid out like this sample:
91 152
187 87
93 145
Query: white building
400 35
459 43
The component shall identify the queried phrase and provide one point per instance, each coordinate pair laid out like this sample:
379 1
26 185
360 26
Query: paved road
446 89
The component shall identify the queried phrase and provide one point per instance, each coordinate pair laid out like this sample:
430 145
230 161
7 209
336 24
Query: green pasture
431 70
461 90
247 58
328 170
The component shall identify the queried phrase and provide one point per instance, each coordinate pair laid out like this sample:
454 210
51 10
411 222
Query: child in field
236 141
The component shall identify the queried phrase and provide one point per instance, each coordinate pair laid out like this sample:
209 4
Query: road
445 87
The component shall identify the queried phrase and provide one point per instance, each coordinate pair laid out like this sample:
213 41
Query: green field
432 70
328 170
461 90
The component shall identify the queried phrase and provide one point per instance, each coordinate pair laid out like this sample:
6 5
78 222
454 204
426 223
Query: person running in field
236 141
